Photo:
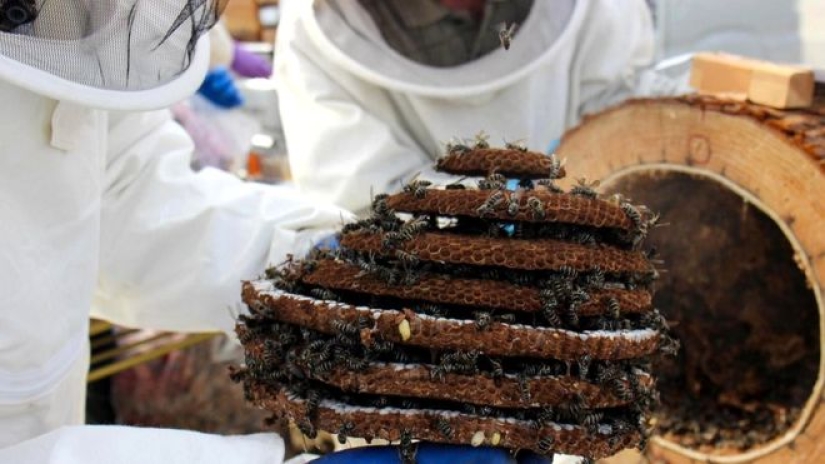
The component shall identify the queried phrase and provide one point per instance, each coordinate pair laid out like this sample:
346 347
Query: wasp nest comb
519 318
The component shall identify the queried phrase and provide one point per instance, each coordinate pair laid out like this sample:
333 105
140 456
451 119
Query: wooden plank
144 357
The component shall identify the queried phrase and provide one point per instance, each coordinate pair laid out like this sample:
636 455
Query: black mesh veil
120 45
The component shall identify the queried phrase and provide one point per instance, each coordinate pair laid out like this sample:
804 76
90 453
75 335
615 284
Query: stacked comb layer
469 315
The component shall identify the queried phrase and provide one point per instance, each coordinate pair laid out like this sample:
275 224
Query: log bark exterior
774 159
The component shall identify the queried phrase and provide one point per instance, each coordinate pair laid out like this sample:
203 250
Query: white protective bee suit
358 116
99 208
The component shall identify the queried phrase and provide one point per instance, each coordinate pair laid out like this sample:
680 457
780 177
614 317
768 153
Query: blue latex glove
329 242
219 88
553 146
431 453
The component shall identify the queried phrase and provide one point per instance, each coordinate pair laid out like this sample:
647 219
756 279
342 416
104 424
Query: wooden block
721 74
731 76
268 35
241 19
781 86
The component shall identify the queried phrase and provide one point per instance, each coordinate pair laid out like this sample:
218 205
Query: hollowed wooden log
742 188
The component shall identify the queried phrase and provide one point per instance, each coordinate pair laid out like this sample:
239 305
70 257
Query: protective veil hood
108 54
347 35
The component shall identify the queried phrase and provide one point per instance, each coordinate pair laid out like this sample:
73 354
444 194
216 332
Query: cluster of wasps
294 356
301 359
641 217
620 377
302 354
512 201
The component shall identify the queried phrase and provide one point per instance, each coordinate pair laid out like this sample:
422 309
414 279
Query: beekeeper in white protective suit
99 207
370 90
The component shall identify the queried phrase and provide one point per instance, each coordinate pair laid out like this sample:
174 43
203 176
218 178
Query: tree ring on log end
741 307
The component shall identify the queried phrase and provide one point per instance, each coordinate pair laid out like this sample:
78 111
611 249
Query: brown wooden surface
775 159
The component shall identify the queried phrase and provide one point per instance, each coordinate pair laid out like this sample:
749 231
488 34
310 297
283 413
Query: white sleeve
133 445
340 131
175 245
615 51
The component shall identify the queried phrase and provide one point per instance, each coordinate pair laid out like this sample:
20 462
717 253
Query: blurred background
783 31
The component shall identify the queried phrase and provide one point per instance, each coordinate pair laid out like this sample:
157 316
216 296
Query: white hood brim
49 85
353 42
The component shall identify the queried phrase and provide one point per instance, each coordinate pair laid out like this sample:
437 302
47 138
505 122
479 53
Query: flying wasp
443 426
584 365
555 167
585 189
514 202
345 429
536 207
482 140
418 188
345 328
506 33
408 259
323 294
483 320
490 204
591 420
633 214
517 145
497 370
549 185
546 444
524 388
457 147
416 225
494 181
613 308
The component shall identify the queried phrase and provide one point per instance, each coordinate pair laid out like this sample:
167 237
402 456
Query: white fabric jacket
115 444
100 209
358 116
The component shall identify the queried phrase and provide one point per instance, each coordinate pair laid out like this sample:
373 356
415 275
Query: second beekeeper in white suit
370 90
